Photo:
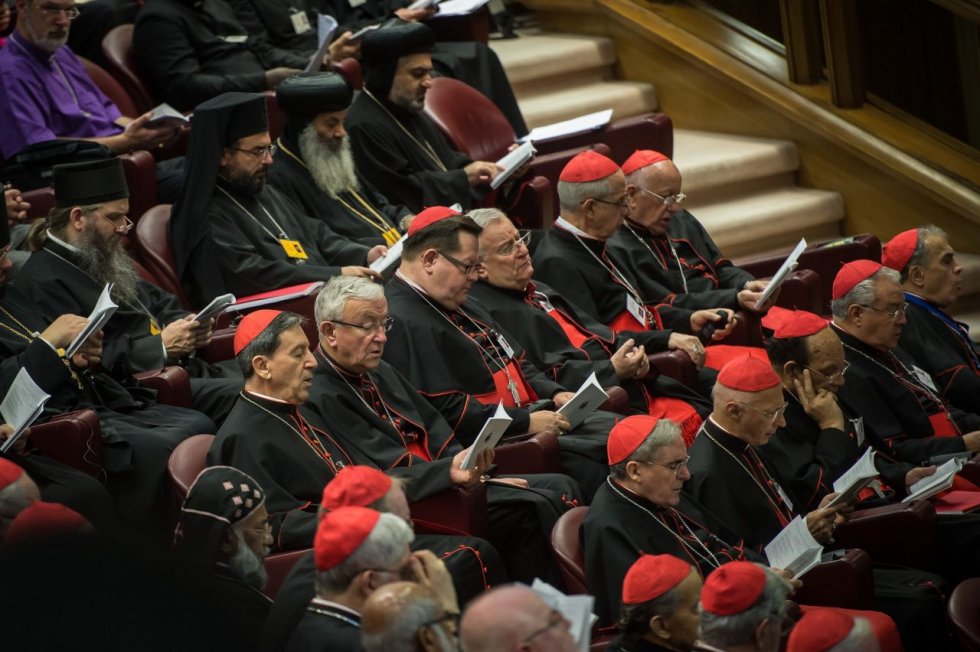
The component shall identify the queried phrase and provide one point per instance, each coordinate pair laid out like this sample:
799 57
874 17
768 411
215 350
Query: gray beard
332 169
247 566
107 262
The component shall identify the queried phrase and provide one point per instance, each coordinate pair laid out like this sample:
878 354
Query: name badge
301 23
505 345
636 309
924 378
293 249
544 302
783 496
858 426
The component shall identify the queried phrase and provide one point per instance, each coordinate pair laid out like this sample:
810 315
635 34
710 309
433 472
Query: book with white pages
387 264
794 549
164 115
104 308
326 25
512 161
784 271
215 308
939 481
587 400
580 125
22 405
489 435
577 610
450 8
856 478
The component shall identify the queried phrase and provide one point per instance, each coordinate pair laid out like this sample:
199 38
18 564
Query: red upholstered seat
278 566
141 178
964 612
187 461
565 543
112 88
41 201
154 252
72 438
117 46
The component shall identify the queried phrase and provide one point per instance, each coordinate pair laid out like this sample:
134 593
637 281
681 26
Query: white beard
332 170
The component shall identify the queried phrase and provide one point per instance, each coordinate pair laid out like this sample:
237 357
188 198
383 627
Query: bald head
394 615
510 617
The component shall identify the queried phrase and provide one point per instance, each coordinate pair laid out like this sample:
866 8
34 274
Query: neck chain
30 336
423 144
616 274
330 614
282 232
906 377
779 510
708 557
358 394
313 442
673 252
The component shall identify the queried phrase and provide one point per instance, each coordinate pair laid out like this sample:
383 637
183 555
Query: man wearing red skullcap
572 258
905 415
826 630
17 491
743 606
41 520
660 606
940 345
671 253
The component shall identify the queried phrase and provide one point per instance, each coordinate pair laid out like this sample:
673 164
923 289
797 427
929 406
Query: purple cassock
45 96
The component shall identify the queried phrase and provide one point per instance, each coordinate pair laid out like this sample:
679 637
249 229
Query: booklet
580 125
422 4
794 549
361 33
586 400
104 308
856 478
931 485
215 308
387 264
459 8
491 433
164 115
577 609
788 266
275 296
511 162
22 405
326 25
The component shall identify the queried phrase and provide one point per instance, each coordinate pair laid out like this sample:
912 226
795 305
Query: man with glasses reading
669 250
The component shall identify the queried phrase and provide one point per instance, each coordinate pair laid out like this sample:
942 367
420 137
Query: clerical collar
418 288
728 439
61 243
341 369
856 343
273 401
571 228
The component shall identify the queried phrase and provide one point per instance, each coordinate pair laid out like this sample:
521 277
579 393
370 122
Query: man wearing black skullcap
222 539
395 144
253 239
316 166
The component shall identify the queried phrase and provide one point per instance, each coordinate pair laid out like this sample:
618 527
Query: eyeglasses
523 238
464 267
621 204
673 466
554 619
71 13
669 200
369 326
772 415
122 222
265 529
258 152
904 308
832 377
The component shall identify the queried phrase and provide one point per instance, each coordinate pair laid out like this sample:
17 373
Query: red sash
575 335
625 321
943 425
680 413
502 393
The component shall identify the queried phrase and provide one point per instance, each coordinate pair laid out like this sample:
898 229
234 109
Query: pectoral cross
512 386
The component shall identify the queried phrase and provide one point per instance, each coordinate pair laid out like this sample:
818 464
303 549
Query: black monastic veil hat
92 182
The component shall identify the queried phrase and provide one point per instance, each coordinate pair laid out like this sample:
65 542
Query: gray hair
483 216
266 342
402 628
634 619
861 638
665 432
383 548
571 195
920 256
739 629
338 291
862 294
246 564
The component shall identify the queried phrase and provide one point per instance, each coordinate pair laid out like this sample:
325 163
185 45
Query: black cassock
943 348
245 240
138 436
326 627
56 285
685 254
899 412
364 216
534 317
293 460
422 449
406 156
621 526
453 358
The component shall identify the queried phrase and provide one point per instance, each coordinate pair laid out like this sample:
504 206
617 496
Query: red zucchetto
651 576
851 274
733 588
627 435
430 216
642 158
897 251
799 323
588 166
819 630
748 374
355 486
340 533
251 326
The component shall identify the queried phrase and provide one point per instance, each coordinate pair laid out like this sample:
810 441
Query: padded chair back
41 201
469 120
112 88
187 461
566 545
141 177
278 567
154 252
117 46
350 69
964 611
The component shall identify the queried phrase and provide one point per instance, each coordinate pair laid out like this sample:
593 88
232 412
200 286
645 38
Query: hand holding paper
586 400
794 549
489 435
105 308
511 162
22 405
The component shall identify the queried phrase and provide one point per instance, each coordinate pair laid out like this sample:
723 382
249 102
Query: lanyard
958 328
423 144
673 251
282 232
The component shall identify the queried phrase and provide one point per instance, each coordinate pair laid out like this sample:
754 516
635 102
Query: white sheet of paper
215 308
458 8
794 549
104 308
580 125
23 404
586 400
511 161
361 33
489 435
385 265
577 609
941 480
325 27
164 113
788 266
855 479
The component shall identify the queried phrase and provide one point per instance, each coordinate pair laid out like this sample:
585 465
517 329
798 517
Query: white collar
269 398
568 226
64 244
